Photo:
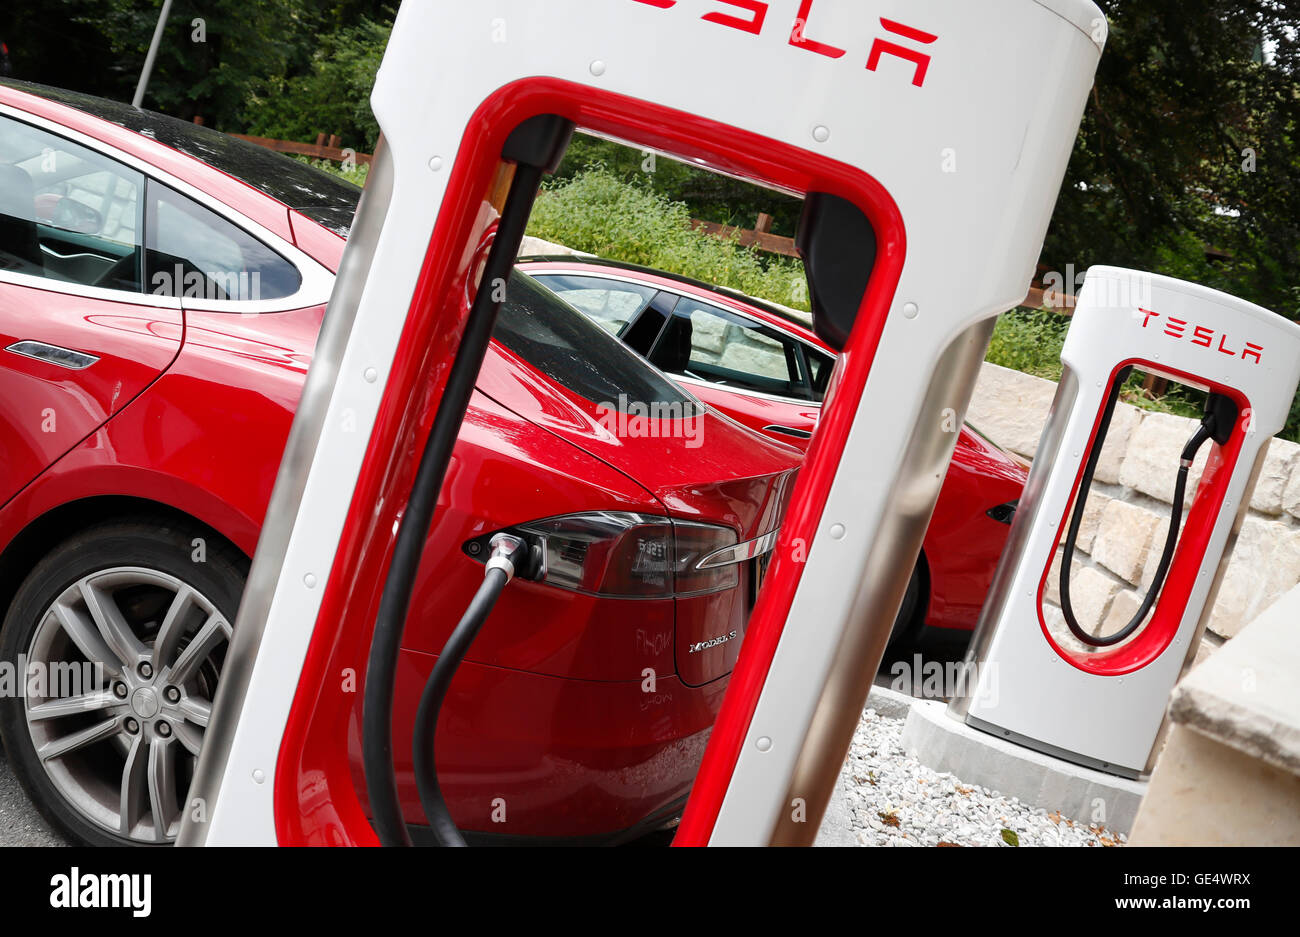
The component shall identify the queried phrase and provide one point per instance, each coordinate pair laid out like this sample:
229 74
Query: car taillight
627 554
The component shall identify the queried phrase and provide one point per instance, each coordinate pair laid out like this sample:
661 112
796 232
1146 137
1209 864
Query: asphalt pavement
20 824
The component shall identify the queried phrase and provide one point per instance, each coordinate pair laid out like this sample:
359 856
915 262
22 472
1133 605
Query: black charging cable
536 147
508 552
381 668
1220 416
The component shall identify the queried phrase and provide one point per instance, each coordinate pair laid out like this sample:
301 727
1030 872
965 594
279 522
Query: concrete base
890 703
1081 794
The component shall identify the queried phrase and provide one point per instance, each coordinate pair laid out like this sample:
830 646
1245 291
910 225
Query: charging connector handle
1217 424
506 550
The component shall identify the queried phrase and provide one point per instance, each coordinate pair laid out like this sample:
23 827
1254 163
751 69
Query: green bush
598 212
356 174
1029 340
709 196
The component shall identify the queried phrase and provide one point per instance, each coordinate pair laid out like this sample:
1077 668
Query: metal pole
152 54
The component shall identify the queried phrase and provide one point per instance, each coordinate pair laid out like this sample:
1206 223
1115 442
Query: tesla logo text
712 642
1201 335
749 16
885 47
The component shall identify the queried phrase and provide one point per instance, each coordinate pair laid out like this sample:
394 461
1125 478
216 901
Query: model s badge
712 642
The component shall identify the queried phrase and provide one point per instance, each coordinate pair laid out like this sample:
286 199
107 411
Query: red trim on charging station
316 797
1155 636
820 465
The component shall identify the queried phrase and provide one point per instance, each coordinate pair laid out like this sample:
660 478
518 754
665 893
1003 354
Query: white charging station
1095 700
906 119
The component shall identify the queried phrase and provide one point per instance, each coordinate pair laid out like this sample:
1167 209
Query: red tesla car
767 369
161 288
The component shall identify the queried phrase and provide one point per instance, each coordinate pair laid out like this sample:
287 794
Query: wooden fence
325 147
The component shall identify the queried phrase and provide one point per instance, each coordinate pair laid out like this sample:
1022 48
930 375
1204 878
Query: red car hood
711 470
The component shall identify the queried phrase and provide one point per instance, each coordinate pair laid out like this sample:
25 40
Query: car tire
107 752
907 625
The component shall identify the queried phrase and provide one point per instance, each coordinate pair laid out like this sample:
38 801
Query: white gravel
894 800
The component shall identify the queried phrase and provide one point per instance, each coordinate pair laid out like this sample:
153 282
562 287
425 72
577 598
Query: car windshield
568 348
325 199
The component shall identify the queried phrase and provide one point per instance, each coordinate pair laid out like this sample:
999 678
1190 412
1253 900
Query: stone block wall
1127 518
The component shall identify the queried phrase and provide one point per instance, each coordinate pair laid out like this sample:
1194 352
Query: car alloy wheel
118 635
122 752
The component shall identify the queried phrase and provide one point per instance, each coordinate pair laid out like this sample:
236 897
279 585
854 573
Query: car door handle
53 354
787 431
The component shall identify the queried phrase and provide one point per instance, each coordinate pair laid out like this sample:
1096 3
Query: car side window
68 213
712 344
820 365
611 304
193 252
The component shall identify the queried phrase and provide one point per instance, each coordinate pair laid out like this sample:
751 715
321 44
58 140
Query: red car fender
180 446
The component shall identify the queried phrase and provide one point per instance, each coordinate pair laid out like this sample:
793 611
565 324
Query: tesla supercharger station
929 139
1099 700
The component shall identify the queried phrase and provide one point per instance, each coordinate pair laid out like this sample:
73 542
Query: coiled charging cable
1220 415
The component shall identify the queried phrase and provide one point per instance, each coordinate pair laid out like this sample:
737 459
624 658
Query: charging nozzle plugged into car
509 555
1220 415
535 147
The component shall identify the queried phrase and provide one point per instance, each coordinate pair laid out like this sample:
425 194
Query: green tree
214 53
233 62
1189 146
331 94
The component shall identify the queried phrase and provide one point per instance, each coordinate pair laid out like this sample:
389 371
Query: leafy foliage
596 211
1190 141
331 96
355 174
1029 340
296 67
709 196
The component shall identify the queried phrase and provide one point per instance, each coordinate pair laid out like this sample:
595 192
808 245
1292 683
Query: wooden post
500 188
320 139
764 223
1154 387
